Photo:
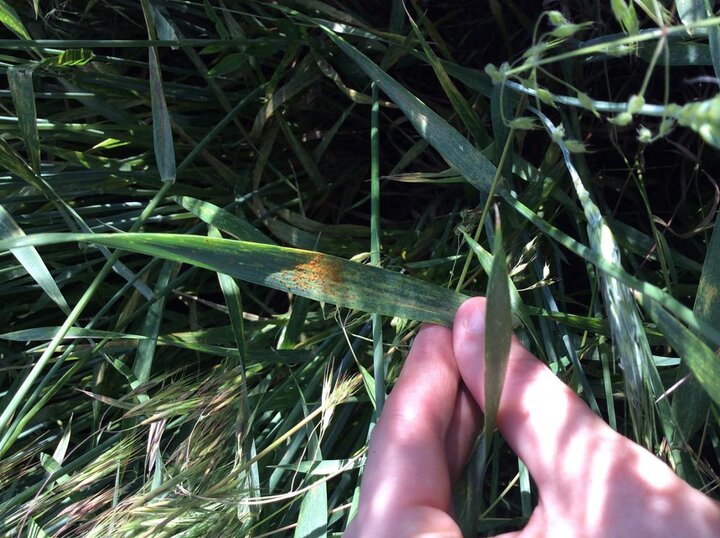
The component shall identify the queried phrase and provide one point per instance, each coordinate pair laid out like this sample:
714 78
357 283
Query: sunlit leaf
9 18
498 332
31 260
427 122
701 360
314 275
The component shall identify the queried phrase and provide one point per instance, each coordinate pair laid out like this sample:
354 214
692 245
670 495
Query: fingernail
476 322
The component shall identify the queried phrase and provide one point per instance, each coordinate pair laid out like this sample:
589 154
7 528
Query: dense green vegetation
217 239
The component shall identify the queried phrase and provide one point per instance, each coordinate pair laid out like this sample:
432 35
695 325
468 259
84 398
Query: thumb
542 420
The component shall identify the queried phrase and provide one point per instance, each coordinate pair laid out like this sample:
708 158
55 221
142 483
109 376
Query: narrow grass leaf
690 401
498 332
230 63
162 131
377 335
61 450
102 108
13 163
164 29
9 18
249 479
690 11
69 58
307 162
369 384
313 516
459 103
233 300
293 330
45 333
223 219
701 360
151 325
324 467
31 260
20 80
454 147
314 275
629 339
519 310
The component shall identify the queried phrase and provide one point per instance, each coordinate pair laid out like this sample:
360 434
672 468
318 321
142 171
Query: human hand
592 481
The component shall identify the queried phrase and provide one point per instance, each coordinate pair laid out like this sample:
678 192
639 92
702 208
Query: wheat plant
221 222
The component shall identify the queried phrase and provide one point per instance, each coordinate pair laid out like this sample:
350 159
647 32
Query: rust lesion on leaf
321 278
707 295
322 271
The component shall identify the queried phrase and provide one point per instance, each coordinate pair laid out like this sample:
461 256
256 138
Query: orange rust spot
319 270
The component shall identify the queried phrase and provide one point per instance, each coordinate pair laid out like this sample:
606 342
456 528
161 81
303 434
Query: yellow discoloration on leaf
320 275
710 293
319 270
706 300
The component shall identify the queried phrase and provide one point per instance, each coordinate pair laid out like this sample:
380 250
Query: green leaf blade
162 130
498 333
455 148
20 80
9 18
690 11
32 261
699 358
314 275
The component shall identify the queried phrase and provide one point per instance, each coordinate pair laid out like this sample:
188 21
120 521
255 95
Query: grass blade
314 275
20 80
151 325
377 339
313 517
162 131
31 260
690 402
248 480
519 310
498 332
459 103
9 18
629 339
456 149
690 11
222 219
701 360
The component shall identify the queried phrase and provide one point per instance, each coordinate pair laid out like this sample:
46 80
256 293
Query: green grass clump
221 222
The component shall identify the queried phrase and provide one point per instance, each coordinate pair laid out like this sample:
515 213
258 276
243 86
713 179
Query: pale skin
592 481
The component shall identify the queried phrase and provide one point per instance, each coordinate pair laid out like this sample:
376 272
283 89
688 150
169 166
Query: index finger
407 464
